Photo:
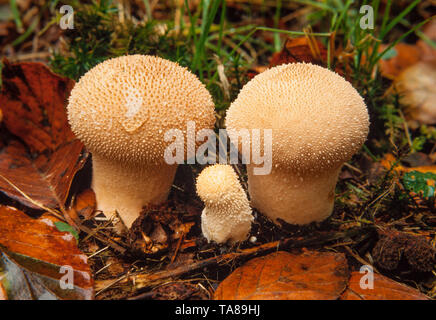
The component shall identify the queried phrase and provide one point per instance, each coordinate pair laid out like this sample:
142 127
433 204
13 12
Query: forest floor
384 215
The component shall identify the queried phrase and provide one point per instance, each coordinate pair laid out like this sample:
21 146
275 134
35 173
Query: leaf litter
164 255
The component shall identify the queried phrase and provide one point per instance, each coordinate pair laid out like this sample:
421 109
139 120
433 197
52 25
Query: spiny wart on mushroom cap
318 121
227 213
122 107
121 110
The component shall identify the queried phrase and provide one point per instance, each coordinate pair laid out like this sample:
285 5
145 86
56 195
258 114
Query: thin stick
143 280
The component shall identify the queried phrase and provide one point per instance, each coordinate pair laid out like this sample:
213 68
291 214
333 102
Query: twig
143 280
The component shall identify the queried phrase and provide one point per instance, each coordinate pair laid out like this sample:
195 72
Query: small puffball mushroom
121 110
227 213
318 121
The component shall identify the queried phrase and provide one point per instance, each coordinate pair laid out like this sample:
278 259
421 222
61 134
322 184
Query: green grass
98 35
208 41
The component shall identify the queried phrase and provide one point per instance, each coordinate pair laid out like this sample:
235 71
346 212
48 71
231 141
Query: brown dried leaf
417 88
309 50
393 245
85 204
42 162
406 55
34 251
384 289
300 50
281 275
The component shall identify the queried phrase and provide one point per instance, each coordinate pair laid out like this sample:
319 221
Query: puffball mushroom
227 213
120 110
318 121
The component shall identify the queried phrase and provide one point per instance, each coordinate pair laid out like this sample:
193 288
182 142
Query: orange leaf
384 289
285 276
300 50
85 204
41 164
37 251
406 56
305 49
388 161
409 54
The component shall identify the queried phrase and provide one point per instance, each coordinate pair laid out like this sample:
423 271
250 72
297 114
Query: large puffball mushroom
318 121
227 213
121 110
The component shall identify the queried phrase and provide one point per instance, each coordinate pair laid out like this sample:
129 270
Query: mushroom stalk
296 199
126 188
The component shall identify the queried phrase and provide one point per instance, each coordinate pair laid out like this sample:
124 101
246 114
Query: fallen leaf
384 289
85 204
394 245
300 49
37 168
420 183
418 180
281 275
389 160
418 159
309 50
35 256
159 226
403 56
416 86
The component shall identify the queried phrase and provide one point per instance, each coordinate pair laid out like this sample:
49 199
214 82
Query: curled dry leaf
38 163
160 227
300 49
309 50
393 245
404 55
281 275
35 256
85 204
383 289
416 86
389 160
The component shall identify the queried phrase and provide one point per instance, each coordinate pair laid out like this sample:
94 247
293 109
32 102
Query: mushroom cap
219 185
122 107
318 120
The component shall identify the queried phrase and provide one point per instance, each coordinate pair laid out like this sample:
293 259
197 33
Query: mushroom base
295 200
126 188
222 228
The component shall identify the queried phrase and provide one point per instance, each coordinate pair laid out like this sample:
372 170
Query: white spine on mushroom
227 213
